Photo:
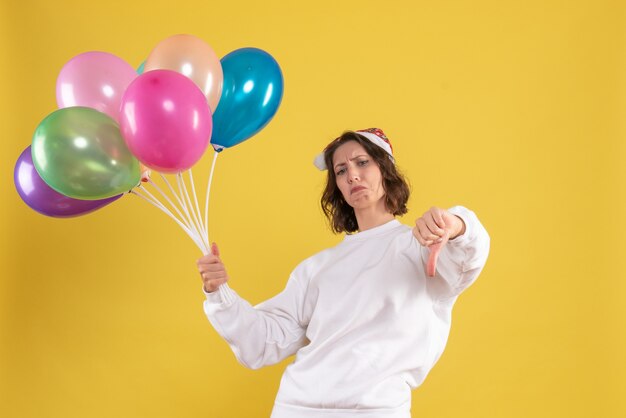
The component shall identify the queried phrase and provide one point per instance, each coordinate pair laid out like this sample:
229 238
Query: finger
212 268
434 228
425 231
213 285
207 278
418 236
437 215
431 265
213 275
435 249
208 259
421 240
204 259
215 250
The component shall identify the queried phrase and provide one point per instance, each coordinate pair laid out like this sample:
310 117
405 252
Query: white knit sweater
365 322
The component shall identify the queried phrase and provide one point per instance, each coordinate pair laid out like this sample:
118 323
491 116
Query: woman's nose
353 175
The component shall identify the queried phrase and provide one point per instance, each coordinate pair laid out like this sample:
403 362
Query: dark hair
340 214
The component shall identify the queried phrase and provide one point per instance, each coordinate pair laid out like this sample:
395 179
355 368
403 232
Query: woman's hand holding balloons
433 229
212 270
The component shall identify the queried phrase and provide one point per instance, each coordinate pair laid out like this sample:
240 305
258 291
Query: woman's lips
356 189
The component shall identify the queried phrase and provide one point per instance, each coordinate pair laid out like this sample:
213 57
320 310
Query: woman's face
357 175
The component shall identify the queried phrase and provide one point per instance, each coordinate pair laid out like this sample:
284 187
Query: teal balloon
251 94
141 68
80 153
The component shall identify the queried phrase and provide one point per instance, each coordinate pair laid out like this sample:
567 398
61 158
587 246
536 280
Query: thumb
214 250
435 249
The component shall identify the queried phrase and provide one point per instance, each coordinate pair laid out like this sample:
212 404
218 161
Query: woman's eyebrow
351 159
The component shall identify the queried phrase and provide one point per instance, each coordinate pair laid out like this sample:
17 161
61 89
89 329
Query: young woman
364 319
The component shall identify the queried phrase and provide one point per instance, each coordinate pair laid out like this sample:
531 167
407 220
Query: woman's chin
362 202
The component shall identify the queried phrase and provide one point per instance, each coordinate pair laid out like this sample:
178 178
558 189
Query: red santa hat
375 135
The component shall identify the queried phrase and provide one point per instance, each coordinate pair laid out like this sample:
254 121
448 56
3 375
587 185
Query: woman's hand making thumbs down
433 230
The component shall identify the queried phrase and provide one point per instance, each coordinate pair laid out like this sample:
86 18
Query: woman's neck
368 218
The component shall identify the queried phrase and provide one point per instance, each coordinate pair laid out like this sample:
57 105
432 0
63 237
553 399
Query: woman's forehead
348 150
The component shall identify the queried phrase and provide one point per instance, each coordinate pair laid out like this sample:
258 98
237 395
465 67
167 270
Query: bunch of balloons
115 125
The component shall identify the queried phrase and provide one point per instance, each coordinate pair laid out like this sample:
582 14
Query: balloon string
208 192
182 218
197 222
190 218
159 205
183 193
182 205
195 197
182 202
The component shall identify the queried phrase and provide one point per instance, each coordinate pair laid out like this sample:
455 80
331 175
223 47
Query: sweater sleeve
461 260
263 334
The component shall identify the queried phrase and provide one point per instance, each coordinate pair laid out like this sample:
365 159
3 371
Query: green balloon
81 153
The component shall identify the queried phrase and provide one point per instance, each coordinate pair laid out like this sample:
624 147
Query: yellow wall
515 109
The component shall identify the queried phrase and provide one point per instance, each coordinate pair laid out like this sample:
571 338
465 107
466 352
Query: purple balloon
44 199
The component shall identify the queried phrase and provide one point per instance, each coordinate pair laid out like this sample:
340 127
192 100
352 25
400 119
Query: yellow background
514 109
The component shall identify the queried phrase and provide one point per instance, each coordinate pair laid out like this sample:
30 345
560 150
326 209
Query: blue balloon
251 94
141 68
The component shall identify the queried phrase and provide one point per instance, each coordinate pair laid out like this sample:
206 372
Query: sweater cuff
469 219
223 295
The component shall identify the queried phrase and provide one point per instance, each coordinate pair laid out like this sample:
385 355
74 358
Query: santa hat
375 135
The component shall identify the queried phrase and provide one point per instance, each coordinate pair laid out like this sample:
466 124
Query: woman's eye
363 162
340 172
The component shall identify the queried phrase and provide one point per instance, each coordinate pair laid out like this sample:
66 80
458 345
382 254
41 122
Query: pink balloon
165 120
94 79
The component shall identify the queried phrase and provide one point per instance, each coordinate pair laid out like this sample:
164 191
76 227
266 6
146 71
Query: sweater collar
373 232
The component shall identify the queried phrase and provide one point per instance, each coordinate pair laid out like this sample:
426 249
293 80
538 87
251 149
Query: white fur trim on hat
320 162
